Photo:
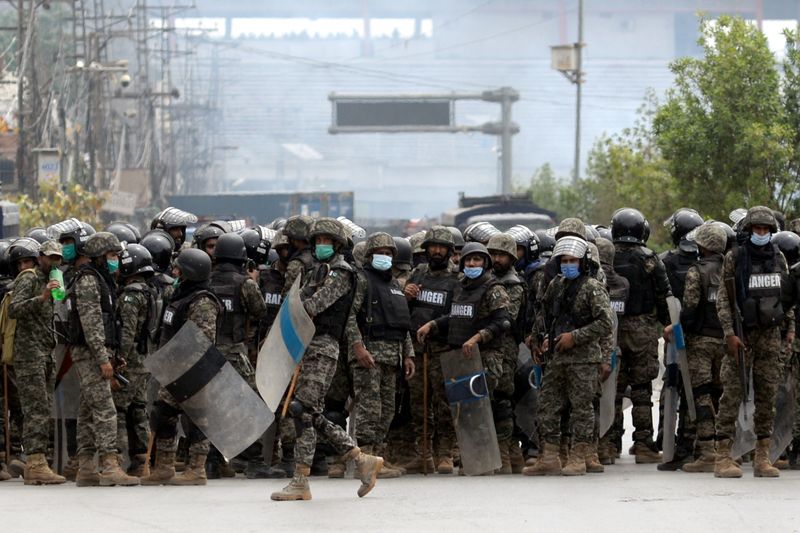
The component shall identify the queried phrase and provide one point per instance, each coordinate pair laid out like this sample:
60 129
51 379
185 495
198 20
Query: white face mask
381 262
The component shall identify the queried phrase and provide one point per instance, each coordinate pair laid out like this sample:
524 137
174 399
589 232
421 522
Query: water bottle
59 293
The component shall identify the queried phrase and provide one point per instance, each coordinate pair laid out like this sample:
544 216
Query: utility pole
578 85
21 178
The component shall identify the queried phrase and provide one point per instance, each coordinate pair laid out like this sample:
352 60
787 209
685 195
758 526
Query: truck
503 211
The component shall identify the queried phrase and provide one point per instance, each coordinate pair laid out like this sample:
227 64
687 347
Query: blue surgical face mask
473 272
113 265
570 271
323 251
381 262
68 252
760 240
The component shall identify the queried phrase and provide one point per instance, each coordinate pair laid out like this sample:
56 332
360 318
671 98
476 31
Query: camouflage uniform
134 310
570 377
203 311
318 367
34 367
97 416
297 267
374 387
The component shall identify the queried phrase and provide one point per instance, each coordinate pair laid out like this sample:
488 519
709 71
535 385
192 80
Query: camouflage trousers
166 413
705 356
374 395
97 417
317 369
14 407
441 433
236 355
762 356
638 367
568 386
35 378
133 427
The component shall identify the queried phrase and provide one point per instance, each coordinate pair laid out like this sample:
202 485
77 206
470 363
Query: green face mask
113 265
323 251
68 252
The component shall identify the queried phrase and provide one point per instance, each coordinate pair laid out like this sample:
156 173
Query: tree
55 204
724 130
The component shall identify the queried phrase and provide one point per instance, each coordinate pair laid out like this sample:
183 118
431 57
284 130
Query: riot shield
745 439
608 396
220 403
671 397
66 397
682 359
784 417
283 348
468 394
526 394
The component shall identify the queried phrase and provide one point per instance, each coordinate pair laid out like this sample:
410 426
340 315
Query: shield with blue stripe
284 347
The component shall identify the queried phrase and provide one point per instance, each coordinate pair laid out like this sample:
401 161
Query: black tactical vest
464 321
435 296
511 279
272 282
706 321
332 320
629 263
677 263
384 314
618 290
226 282
151 322
761 305
561 316
108 304
176 314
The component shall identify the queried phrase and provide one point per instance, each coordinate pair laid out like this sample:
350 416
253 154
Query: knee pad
337 417
164 418
297 411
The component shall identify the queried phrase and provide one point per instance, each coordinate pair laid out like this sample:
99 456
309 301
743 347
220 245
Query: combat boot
258 470
761 465
367 468
194 473
547 464
794 455
16 467
646 453
505 461
336 468
593 464
705 461
782 463
724 465
445 465
163 471
4 475
297 489
70 470
516 457
112 474
389 465
87 472
226 469
37 472
416 465
606 453
576 464
140 466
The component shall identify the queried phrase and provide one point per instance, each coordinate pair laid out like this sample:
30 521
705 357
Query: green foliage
56 203
724 130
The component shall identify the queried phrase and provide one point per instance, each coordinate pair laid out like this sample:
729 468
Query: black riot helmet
38 234
206 232
256 247
629 225
789 244
402 259
230 247
194 264
172 217
123 232
135 260
604 232
682 222
86 231
475 248
23 248
160 244
546 243
458 237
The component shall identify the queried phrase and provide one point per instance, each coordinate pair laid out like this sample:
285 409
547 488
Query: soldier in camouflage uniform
577 312
94 336
756 268
301 260
429 292
378 339
34 368
192 300
503 249
401 264
705 347
638 330
479 317
327 297
242 301
173 221
138 314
